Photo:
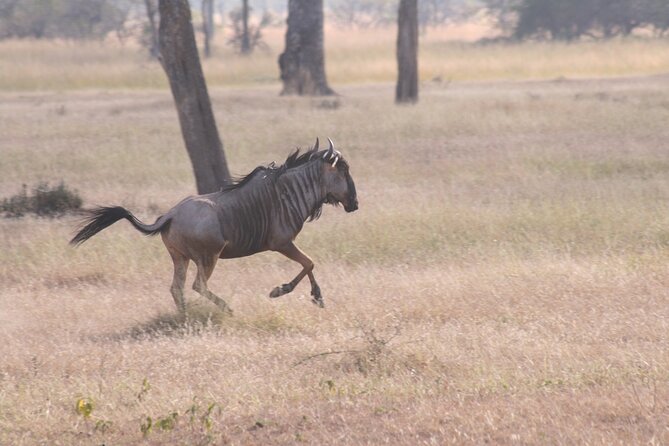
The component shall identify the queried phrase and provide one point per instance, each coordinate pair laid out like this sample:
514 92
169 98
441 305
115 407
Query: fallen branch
332 352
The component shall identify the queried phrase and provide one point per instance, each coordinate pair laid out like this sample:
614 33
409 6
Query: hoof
227 311
281 290
317 299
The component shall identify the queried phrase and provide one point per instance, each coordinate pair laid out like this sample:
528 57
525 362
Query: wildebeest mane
295 159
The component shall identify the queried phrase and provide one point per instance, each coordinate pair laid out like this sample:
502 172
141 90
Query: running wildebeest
263 211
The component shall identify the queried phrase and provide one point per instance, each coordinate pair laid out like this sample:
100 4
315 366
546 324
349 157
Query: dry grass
353 57
504 280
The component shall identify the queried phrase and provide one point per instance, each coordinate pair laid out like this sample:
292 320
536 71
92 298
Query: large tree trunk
407 52
208 25
302 64
181 62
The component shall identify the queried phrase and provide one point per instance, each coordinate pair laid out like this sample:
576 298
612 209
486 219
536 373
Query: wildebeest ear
316 145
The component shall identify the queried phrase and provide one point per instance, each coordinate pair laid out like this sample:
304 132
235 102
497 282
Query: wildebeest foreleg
205 267
294 253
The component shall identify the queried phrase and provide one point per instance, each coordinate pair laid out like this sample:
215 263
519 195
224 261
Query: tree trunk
302 64
152 13
181 63
407 52
246 41
207 25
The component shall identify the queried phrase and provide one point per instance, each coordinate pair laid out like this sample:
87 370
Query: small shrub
45 201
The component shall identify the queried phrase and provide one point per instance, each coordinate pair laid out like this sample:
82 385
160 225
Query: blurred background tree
247 34
406 90
565 20
302 63
369 13
574 19
67 19
149 34
208 28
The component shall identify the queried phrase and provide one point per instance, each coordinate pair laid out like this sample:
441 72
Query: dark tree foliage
66 19
560 20
573 19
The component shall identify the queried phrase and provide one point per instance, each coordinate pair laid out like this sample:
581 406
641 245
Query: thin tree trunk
152 13
181 63
246 41
407 52
208 25
302 64
221 11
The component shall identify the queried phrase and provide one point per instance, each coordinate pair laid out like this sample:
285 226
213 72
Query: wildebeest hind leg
205 266
179 279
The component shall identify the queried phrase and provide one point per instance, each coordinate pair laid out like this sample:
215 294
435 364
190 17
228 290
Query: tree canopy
68 19
573 19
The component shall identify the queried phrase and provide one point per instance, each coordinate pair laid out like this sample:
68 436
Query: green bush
45 201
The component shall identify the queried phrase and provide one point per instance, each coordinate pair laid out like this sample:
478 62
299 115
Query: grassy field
504 281
353 57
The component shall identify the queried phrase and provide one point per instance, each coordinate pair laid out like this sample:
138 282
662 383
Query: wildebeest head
339 185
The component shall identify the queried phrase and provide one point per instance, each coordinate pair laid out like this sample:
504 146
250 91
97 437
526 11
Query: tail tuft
97 220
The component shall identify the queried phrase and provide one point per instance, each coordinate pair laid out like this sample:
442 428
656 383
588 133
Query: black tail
102 217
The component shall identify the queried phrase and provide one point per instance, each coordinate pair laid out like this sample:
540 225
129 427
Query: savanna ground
505 280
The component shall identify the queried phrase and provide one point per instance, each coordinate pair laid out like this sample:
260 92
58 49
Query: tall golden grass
504 281
352 57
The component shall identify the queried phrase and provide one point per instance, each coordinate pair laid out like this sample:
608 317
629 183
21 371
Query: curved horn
316 145
335 161
331 152
334 151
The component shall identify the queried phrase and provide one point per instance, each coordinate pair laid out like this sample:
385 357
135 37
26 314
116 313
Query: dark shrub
45 201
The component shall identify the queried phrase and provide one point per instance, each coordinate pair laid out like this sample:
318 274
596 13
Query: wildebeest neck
271 208
302 193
